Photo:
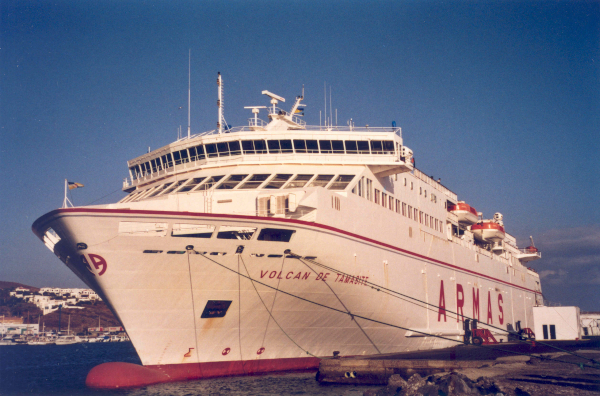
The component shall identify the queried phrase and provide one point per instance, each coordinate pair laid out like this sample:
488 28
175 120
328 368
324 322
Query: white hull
160 297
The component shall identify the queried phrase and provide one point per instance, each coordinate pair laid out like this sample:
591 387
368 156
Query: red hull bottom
128 375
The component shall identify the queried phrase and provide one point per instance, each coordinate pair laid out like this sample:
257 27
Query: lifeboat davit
465 213
488 231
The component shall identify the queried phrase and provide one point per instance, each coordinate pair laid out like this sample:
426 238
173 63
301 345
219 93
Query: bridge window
278 181
286 146
211 150
299 181
341 182
231 182
223 149
300 146
192 184
325 146
234 148
193 154
254 146
351 147
275 235
376 147
321 181
312 146
337 146
167 160
184 156
254 181
199 153
363 147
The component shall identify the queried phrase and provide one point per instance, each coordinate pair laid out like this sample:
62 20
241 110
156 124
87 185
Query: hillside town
49 299
50 315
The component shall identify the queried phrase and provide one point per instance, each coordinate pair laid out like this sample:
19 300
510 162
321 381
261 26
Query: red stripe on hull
128 375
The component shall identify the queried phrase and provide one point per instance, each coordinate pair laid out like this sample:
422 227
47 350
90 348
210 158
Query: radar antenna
274 99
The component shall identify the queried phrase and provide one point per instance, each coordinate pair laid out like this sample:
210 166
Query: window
278 181
233 232
312 146
425 194
416 214
231 182
184 156
384 197
391 206
325 146
192 230
321 181
337 146
248 147
154 167
177 157
299 181
286 146
420 190
377 196
420 216
405 182
411 185
376 147
341 182
274 147
410 211
369 189
552 332
211 150
363 147
403 208
210 182
254 181
361 187
159 190
193 183
300 146
223 149
351 147
234 148
173 187
200 152
167 160
275 235
336 203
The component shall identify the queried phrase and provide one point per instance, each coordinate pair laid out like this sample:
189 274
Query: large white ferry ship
266 247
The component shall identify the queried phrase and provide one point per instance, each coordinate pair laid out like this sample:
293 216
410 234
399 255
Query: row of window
243 182
364 188
261 146
231 232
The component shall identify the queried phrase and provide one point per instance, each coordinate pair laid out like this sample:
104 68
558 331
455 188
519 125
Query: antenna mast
189 87
219 101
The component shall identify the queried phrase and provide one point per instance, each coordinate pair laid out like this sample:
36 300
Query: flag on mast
73 185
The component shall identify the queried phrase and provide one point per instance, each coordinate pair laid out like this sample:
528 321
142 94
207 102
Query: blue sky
501 100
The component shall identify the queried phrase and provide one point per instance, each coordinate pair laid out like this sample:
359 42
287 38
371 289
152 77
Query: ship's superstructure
265 247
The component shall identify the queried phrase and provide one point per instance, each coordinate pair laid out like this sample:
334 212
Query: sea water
61 370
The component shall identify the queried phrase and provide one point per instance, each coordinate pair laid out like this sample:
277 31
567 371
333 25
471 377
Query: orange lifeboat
465 213
488 231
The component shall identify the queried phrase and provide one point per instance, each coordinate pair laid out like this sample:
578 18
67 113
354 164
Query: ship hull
288 303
